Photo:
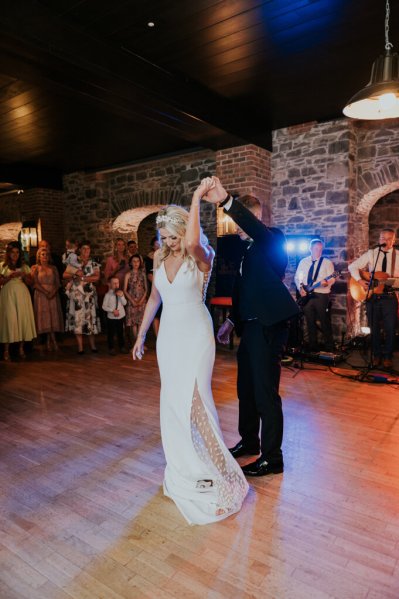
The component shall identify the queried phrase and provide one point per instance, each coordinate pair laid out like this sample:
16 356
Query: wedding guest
17 321
82 309
114 305
136 291
55 258
47 305
117 264
132 247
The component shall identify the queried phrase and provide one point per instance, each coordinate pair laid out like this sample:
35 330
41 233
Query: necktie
384 262
116 302
310 273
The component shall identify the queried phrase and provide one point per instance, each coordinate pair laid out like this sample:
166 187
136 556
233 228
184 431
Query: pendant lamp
380 98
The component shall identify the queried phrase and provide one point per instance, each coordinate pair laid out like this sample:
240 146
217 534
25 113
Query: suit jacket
259 291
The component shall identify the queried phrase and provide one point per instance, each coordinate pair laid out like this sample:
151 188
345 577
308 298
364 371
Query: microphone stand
371 299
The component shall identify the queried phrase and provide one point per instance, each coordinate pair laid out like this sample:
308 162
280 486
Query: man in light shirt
382 309
312 270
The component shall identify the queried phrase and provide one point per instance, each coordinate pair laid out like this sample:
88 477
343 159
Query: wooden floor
82 513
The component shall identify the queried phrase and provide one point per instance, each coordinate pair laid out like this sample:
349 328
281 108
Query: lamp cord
388 44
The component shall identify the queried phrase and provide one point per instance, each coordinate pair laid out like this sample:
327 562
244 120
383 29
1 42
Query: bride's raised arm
196 246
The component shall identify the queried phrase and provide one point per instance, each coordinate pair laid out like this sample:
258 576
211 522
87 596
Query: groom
262 306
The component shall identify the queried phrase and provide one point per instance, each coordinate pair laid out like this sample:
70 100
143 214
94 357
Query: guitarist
382 308
311 270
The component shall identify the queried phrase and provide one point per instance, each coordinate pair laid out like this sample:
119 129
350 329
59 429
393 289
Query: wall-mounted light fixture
225 225
30 235
380 98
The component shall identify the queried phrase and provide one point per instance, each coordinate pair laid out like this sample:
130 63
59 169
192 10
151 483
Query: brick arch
380 182
128 221
157 197
8 232
374 181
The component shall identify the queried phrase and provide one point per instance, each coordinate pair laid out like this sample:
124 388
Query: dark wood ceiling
86 84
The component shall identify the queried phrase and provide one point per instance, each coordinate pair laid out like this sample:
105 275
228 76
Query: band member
316 270
262 305
381 308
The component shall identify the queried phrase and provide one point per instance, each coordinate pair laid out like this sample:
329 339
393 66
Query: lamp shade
380 98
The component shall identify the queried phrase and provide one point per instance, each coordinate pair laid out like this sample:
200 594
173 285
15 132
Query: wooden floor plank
83 516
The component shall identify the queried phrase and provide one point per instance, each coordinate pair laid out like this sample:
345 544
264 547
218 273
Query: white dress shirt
301 275
367 261
110 302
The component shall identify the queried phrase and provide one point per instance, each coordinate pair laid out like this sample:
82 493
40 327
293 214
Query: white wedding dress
201 476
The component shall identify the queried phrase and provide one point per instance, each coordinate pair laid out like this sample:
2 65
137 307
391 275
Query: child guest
114 305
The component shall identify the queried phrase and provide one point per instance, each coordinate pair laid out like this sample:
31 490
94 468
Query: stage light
303 247
297 245
290 247
365 330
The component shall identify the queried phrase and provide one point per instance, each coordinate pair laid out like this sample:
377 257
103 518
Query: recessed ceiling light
151 24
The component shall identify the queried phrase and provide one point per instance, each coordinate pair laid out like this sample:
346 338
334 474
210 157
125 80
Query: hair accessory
164 218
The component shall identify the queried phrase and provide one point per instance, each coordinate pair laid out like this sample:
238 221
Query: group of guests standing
76 282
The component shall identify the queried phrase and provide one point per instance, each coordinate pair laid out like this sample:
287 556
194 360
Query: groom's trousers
259 368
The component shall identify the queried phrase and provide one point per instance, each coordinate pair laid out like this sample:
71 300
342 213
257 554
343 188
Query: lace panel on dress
227 479
205 283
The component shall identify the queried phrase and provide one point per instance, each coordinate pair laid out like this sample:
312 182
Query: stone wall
310 192
95 200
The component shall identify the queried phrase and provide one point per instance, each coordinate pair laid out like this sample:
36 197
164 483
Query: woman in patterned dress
136 290
82 307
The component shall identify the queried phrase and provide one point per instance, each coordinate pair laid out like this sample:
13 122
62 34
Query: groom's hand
223 334
216 193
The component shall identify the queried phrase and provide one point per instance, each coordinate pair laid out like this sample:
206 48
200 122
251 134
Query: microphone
379 245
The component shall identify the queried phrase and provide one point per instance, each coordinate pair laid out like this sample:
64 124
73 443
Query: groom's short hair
250 202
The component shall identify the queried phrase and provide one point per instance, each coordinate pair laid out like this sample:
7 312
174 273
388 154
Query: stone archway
8 232
127 223
360 241
386 180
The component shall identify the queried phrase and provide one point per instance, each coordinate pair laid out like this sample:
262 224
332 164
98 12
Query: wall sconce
29 235
225 225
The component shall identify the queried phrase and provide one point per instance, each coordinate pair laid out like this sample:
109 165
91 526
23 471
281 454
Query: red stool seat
221 301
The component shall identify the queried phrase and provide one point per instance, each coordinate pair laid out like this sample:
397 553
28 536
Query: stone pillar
311 184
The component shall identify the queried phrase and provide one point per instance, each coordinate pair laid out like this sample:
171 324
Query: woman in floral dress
136 291
82 316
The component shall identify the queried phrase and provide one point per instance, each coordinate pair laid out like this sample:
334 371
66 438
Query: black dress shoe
262 467
240 449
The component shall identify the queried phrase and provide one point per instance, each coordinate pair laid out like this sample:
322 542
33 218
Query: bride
201 476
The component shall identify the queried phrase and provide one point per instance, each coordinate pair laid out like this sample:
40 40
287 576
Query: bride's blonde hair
175 219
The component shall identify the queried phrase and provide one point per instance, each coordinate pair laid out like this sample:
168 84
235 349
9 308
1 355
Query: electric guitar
303 299
359 294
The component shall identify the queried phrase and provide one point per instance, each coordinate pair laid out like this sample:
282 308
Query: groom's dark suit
262 305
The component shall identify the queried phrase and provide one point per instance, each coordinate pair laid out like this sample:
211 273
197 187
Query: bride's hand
138 348
206 184
216 192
